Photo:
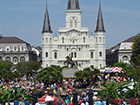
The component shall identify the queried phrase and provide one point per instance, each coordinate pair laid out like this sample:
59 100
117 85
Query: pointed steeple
100 23
47 25
73 5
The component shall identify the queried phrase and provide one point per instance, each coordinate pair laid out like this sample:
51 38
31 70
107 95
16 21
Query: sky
24 18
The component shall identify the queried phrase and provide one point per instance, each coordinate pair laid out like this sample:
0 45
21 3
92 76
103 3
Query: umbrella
117 69
48 98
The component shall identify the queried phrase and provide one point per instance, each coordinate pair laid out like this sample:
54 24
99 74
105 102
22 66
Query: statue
70 63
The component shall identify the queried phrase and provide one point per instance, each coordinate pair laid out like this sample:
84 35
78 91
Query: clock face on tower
73 34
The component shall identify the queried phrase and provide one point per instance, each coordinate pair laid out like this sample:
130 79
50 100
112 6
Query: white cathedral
74 40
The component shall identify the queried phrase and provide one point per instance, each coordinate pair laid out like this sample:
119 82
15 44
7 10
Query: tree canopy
26 68
54 71
135 58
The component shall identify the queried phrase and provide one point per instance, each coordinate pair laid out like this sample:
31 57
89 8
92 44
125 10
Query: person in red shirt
55 103
70 103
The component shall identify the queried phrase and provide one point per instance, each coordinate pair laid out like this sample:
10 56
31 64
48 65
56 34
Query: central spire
73 5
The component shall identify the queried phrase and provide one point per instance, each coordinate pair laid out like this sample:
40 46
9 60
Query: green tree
55 71
26 68
87 73
5 70
135 58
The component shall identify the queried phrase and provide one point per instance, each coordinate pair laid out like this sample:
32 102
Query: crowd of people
63 90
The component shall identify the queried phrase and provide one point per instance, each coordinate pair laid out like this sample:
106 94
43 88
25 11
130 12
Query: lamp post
75 93
50 92
90 93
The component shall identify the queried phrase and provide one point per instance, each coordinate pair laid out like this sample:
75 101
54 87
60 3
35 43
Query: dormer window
22 48
0 48
7 48
15 48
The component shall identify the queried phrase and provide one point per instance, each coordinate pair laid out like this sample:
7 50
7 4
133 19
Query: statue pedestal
69 72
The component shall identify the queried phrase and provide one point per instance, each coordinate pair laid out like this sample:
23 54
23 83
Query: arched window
104 39
96 39
67 49
75 23
72 54
43 40
55 55
91 54
71 25
75 55
125 59
73 41
8 59
22 59
100 54
46 40
84 40
100 39
50 40
46 54
79 49
15 60
62 39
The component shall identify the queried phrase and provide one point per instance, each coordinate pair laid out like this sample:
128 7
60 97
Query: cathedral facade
74 40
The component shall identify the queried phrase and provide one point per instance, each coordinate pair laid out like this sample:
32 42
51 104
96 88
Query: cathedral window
67 49
100 54
55 55
104 39
84 40
91 54
72 54
50 40
46 40
62 39
100 39
73 41
75 23
46 54
71 25
75 55
96 40
79 49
